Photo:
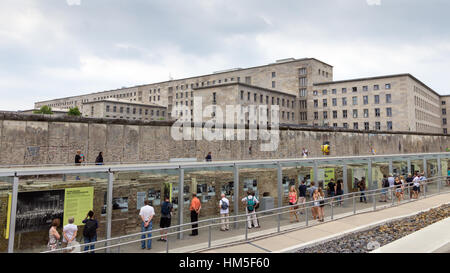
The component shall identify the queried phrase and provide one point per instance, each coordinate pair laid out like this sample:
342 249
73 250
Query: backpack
89 229
250 204
224 205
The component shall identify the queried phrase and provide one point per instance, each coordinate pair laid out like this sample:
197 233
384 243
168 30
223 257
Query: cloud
73 2
49 49
373 2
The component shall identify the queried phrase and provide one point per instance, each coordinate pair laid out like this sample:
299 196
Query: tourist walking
362 189
166 217
90 231
79 158
208 158
224 207
391 181
398 189
339 191
416 187
99 159
251 203
69 234
316 205
321 203
195 208
409 185
53 235
293 199
331 188
311 190
146 213
305 153
302 194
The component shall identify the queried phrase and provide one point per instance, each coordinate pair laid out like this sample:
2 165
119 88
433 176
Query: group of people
80 158
315 194
398 185
69 233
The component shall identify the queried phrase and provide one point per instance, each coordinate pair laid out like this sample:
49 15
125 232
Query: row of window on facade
427 95
154 98
354 101
376 126
208 83
284 114
387 86
377 113
117 96
134 110
284 103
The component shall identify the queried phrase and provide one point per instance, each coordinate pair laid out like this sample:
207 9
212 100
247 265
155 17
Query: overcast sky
57 48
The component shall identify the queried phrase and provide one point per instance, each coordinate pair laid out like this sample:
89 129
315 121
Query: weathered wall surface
37 139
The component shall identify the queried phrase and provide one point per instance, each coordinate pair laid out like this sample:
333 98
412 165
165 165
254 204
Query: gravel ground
368 240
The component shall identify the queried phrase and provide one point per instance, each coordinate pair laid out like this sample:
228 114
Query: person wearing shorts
166 217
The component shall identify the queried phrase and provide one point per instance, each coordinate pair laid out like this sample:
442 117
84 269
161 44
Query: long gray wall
37 139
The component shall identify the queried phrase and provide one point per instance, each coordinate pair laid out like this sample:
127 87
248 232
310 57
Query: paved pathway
291 240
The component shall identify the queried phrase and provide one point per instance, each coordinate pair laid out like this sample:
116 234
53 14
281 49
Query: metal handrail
139 166
306 205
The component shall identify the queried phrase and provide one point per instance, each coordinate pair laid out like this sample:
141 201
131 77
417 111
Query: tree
47 110
74 112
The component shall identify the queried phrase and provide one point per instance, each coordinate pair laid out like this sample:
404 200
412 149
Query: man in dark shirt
362 189
302 194
78 158
208 157
409 184
331 189
90 231
166 216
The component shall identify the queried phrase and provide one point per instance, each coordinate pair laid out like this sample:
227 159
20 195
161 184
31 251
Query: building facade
393 102
122 109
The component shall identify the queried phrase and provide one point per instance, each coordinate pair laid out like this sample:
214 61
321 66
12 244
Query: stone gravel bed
368 240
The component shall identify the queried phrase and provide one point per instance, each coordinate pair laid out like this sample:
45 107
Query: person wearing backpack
251 203
166 216
384 190
224 206
90 231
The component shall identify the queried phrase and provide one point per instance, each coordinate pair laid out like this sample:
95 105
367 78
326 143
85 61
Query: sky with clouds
58 48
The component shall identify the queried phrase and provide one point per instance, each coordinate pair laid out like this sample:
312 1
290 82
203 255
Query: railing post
369 174
280 190
344 180
13 216
392 195
246 227
332 213
374 201
354 204
209 235
306 214
278 220
109 197
167 241
236 194
180 201
439 167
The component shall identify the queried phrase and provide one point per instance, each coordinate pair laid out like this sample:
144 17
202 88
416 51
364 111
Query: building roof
379 77
246 85
279 62
112 100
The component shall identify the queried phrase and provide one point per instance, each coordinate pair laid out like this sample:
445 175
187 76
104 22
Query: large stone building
122 109
394 102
